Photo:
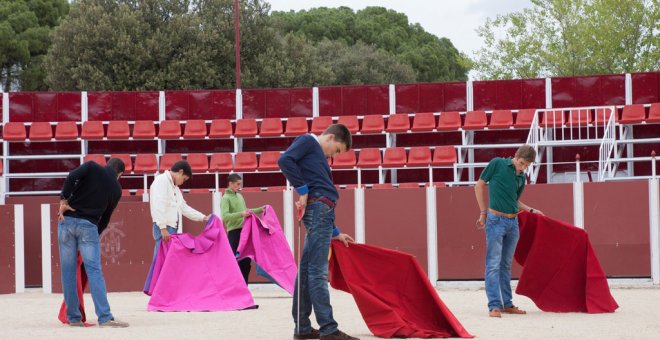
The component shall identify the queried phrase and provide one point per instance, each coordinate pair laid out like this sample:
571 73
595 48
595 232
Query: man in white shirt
166 202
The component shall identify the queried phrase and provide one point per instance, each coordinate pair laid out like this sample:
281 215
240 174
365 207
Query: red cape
560 270
81 280
392 292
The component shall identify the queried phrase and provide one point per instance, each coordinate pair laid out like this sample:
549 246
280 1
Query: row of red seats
267 160
272 127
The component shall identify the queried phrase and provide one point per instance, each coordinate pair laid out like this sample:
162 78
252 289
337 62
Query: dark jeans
234 237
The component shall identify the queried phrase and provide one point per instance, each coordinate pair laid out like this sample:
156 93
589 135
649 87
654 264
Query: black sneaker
313 334
338 335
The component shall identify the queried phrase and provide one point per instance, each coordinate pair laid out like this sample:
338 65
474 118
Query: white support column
315 101
5 149
46 258
239 104
431 234
360 229
5 107
215 200
629 89
19 248
578 204
84 107
469 96
288 217
392 96
2 190
654 212
548 93
162 114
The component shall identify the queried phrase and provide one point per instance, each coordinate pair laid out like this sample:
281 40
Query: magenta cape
263 241
560 270
198 274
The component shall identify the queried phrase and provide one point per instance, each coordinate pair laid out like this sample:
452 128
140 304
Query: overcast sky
454 19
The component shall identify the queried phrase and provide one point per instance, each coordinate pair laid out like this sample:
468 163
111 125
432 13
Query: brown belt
323 200
502 214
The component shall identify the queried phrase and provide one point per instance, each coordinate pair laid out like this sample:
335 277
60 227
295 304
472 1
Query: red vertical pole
238 45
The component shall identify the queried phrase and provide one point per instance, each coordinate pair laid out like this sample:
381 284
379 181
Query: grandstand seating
246 127
144 129
128 162
221 162
344 160
66 131
633 114
475 120
419 156
501 119
118 129
398 123
268 161
444 155
41 131
245 162
199 162
167 160
296 126
195 129
351 122
654 113
14 131
449 121
423 121
270 127
169 129
100 159
372 124
369 158
92 130
319 124
394 157
220 128
145 164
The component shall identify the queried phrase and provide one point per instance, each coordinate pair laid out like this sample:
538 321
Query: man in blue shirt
306 167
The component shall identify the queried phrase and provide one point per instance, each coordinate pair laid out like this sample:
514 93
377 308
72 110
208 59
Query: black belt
324 200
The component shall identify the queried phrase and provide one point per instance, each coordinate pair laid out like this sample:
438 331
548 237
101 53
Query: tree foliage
24 40
571 38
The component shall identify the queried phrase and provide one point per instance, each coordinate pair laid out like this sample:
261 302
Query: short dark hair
233 178
341 133
182 165
527 153
116 164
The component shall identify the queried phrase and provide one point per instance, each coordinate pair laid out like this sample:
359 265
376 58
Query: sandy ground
33 315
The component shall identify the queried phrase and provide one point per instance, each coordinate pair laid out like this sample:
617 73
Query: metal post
19 248
654 216
432 234
238 44
360 229
46 265
578 196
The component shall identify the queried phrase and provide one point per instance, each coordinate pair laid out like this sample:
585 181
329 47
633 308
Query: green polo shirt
504 185
232 206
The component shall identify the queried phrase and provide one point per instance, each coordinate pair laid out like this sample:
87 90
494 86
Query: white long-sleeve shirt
166 202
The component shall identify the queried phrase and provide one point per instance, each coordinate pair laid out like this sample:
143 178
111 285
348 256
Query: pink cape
560 270
198 274
262 240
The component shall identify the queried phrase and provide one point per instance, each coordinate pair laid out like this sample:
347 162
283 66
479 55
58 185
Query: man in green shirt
234 212
506 182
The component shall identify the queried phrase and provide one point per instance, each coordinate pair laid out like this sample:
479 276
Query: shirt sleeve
489 171
257 210
158 203
74 176
288 162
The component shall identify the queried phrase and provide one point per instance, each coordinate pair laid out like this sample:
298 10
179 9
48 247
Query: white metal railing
535 136
607 150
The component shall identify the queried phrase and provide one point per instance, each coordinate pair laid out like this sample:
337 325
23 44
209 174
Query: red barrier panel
645 87
616 216
295 102
509 94
431 97
123 105
44 106
185 105
353 100
588 90
8 272
392 223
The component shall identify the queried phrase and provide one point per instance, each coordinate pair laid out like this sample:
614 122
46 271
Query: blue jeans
75 234
319 220
501 238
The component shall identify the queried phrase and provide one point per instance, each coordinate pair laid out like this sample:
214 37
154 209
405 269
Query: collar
230 191
169 177
316 138
514 167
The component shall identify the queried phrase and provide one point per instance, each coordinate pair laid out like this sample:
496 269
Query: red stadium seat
424 121
144 129
444 155
580 117
394 157
369 158
553 118
344 160
501 119
475 120
245 162
246 128
602 115
319 124
296 126
41 131
524 118
654 113
128 163
167 160
419 156
373 124
169 129
195 129
98 158
92 130
14 131
268 161
270 127
126 192
220 128
449 121
1 167
66 131
398 123
351 123
221 162
118 129
145 163
199 162
633 114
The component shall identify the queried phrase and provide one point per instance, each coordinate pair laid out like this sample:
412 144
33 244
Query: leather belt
323 200
502 214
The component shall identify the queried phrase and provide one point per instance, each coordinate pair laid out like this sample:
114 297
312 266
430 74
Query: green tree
24 39
571 38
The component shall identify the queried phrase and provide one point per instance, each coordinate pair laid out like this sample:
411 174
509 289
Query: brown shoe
513 310
114 324
338 335
77 324
313 334
495 313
